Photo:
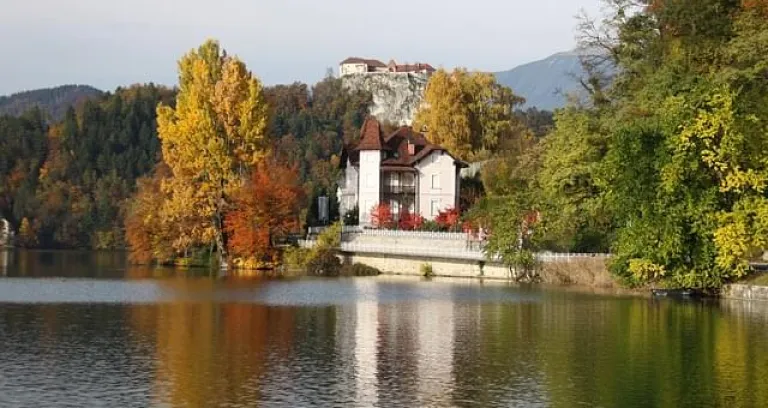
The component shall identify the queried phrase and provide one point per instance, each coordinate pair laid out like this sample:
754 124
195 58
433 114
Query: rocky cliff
396 96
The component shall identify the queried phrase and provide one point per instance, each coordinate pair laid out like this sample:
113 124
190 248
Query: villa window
434 207
394 179
408 179
395 207
436 181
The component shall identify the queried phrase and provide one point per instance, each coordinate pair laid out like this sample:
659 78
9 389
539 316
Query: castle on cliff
356 65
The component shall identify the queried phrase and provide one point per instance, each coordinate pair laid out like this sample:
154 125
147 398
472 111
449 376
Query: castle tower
370 148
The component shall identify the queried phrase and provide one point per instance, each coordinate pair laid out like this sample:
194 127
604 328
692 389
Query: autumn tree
265 209
149 235
213 135
469 113
27 235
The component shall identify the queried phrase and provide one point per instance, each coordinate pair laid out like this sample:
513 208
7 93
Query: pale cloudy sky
107 43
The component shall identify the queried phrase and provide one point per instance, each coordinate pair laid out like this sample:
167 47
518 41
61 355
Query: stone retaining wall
411 265
745 292
574 271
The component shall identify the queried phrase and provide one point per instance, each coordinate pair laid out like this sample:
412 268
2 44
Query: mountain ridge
53 101
545 83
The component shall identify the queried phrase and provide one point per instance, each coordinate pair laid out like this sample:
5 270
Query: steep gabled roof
397 144
370 135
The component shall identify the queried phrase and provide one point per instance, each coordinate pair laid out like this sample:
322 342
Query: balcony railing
387 189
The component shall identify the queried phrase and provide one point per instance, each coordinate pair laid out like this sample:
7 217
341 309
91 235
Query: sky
111 43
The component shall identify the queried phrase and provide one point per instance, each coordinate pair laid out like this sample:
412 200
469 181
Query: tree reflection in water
184 340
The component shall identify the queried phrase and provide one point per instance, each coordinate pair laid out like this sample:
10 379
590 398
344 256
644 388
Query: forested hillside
53 102
309 126
64 184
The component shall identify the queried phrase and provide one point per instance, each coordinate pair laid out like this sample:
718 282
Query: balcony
387 189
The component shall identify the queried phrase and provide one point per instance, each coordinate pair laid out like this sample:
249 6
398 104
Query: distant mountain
53 101
545 83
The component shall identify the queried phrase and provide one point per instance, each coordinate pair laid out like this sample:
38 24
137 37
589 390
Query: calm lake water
85 330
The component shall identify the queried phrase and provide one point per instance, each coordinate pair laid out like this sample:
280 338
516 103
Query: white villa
356 65
403 169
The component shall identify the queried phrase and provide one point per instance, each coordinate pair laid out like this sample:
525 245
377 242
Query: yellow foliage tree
213 135
445 115
27 234
469 113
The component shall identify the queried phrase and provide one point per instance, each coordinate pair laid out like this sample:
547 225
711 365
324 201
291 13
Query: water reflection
201 342
5 256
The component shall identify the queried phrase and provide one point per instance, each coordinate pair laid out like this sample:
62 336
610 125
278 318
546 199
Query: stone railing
354 229
567 256
437 251
346 229
435 235
431 252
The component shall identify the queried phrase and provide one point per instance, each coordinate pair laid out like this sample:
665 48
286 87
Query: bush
381 216
410 222
330 238
426 270
430 226
296 258
359 269
448 219
324 263
321 259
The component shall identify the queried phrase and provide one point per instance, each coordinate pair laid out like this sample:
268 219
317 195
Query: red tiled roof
370 135
414 68
369 62
400 157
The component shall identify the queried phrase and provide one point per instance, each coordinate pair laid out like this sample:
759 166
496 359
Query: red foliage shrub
381 216
448 219
410 222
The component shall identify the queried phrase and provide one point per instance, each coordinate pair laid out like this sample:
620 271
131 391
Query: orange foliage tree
381 216
145 229
265 208
760 6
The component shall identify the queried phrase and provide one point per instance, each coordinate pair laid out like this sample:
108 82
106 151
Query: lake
82 329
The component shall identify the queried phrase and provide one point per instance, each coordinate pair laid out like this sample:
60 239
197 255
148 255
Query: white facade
438 184
369 186
353 68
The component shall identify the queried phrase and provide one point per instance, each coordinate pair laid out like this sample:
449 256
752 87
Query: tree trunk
221 244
